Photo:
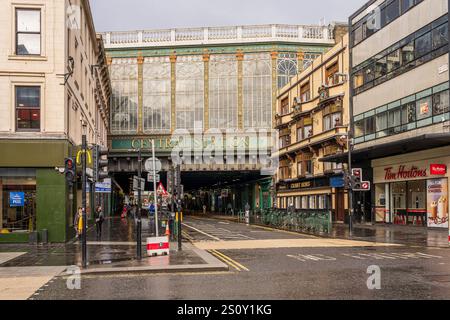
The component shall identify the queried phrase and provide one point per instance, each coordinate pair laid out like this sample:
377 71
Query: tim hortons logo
403 173
438 169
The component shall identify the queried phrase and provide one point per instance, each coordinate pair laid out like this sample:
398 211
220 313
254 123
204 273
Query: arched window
287 68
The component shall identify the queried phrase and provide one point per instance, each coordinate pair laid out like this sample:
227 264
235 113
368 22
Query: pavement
33 266
265 263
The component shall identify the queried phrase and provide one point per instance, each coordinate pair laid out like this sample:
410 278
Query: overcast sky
112 15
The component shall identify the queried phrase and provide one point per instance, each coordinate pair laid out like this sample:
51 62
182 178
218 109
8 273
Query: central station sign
168 143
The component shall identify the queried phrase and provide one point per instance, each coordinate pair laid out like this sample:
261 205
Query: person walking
99 218
78 222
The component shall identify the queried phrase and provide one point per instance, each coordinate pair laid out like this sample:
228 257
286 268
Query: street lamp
84 202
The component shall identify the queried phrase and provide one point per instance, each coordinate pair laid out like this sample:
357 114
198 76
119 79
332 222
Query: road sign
136 183
148 165
365 186
150 177
103 187
161 191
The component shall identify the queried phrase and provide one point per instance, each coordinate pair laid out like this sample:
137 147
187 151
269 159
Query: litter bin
33 237
44 236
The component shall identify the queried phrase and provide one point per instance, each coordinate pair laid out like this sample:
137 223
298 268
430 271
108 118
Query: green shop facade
36 202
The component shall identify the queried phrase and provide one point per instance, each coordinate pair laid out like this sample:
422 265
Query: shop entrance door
398 201
340 205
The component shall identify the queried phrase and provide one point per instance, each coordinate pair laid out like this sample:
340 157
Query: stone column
274 56
140 61
206 58
173 89
301 60
240 59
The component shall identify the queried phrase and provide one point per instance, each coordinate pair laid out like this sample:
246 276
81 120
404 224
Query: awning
418 143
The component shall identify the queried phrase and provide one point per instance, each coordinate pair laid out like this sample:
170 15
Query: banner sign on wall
437 203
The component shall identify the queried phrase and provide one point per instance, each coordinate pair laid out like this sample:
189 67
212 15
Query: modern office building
312 118
53 78
201 80
400 104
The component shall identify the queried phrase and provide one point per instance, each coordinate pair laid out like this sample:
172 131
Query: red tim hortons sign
438 169
404 173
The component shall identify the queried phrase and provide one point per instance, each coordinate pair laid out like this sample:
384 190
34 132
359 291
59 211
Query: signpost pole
139 221
83 198
154 188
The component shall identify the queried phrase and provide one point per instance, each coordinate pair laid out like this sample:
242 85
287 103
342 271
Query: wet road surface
293 267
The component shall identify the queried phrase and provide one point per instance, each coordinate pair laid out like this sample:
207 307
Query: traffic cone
167 229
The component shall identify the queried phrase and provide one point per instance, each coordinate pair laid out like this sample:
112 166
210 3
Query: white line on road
200 231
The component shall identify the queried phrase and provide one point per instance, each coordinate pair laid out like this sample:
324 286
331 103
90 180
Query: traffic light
347 181
69 170
100 164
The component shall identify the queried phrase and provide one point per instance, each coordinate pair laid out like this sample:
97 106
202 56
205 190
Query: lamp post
84 202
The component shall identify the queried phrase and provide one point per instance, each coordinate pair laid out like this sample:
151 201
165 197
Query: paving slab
22 282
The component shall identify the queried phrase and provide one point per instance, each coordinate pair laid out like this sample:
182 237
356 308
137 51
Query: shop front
315 194
413 189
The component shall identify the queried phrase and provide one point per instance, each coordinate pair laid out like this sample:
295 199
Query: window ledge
27 58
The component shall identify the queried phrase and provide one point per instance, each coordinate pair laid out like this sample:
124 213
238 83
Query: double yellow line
236 265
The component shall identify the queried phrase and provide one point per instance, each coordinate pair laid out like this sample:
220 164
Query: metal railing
179 36
309 221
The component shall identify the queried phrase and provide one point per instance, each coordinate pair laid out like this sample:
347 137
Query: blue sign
16 199
337 182
103 187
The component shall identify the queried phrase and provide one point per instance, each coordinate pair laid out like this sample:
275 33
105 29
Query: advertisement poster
16 199
437 203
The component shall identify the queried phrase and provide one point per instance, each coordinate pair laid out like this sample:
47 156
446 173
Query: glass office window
441 103
424 108
359 128
390 12
440 36
423 45
406 5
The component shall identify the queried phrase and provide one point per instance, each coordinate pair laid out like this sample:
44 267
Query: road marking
366 256
289 243
312 257
200 231
224 260
234 262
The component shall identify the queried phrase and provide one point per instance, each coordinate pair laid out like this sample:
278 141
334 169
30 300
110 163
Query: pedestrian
78 222
124 212
229 209
204 209
99 218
